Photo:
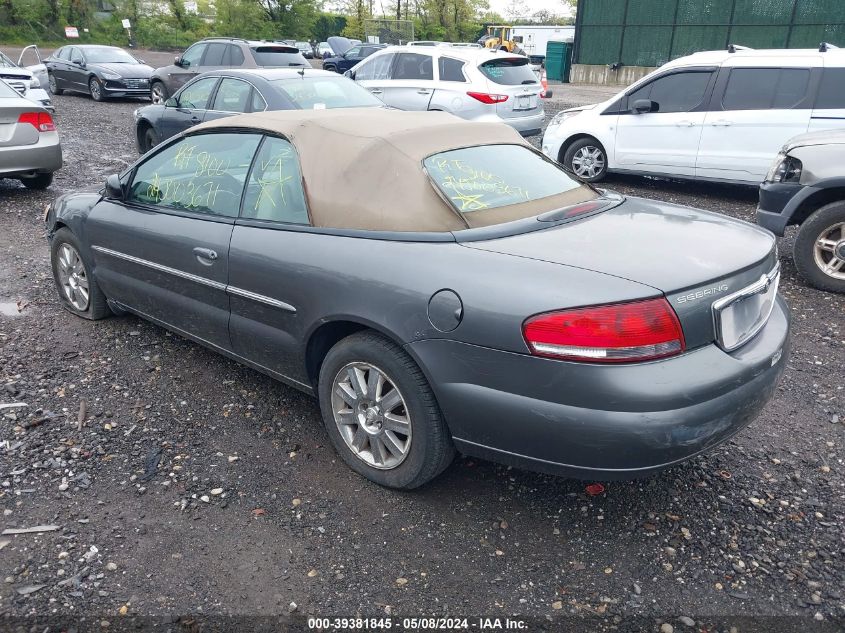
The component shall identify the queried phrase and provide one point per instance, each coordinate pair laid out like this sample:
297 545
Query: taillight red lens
41 121
489 99
618 333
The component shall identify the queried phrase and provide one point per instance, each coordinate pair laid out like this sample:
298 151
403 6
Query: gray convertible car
438 285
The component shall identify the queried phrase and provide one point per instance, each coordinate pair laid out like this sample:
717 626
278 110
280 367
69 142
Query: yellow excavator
502 38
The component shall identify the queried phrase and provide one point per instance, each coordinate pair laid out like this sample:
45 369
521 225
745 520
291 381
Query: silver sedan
29 144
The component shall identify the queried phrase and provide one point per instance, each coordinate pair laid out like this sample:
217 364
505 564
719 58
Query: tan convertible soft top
363 167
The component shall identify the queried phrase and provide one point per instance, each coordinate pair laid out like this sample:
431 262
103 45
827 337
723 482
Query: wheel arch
816 201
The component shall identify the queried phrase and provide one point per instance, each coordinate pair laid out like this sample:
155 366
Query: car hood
339 44
821 137
665 246
15 73
128 71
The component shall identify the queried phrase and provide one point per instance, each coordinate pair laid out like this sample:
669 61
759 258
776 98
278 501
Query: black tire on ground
577 147
431 449
38 181
826 223
96 308
330 68
158 92
149 138
54 88
96 89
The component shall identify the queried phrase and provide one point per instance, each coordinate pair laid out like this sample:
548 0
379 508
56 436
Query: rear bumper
43 157
602 422
778 202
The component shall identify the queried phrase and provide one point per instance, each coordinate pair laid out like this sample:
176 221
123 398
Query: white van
717 115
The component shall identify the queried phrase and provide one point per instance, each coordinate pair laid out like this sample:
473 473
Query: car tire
53 85
149 138
95 88
71 272
38 182
587 159
331 68
158 92
371 443
819 251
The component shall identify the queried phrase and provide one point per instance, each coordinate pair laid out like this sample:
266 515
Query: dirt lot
196 487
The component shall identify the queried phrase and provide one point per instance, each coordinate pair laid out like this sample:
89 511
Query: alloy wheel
96 93
371 415
72 277
157 94
51 81
588 161
829 251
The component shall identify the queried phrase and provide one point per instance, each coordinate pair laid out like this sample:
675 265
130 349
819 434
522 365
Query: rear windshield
278 56
509 72
492 176
318 93
6 92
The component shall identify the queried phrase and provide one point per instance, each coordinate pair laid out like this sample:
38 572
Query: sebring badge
700 294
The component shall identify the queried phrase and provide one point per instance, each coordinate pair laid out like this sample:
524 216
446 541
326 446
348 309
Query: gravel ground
182 484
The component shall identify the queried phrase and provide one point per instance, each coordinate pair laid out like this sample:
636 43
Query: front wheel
149 139
330 68
820 248
380 413
78 290
37 182
54 86
158 93
587 159
96 89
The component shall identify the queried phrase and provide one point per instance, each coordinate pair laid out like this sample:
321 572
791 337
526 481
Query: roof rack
228 39
733 48
825 46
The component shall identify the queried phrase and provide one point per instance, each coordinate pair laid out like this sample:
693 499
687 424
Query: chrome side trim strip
246 294
240 292
165 269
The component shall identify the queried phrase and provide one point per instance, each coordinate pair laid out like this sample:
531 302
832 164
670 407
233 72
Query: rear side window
765 88
274 192
832 90
201 174
413 66
451 69
278 56
487 177
679 92
509 72
236 56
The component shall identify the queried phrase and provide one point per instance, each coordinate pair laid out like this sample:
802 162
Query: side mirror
349 74
178 61
642 106
79 63
172 102
114 188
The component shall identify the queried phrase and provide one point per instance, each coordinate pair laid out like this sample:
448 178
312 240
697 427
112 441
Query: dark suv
806 187
348 53
221 52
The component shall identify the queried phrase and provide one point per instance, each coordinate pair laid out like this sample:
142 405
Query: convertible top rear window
492 176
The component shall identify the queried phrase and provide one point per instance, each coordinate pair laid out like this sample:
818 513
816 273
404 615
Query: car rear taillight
41 121
489 99
618 333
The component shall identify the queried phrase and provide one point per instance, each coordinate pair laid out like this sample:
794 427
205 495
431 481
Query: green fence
651 32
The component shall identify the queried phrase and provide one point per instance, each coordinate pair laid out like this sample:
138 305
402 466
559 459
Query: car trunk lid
13 133
692 257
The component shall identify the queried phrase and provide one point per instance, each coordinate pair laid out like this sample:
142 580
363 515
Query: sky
531 6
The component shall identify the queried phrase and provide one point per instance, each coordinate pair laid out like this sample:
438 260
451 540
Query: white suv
718 115
474 84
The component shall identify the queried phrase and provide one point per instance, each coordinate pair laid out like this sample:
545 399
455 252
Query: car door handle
205 255
722 123
423 91
195 119
377 91
685 124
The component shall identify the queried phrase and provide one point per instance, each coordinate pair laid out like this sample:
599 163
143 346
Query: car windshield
511 71
5 62
107 55
493 176
6 92
269 56
318 93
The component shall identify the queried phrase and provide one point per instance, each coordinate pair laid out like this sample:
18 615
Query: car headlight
110 76
785 168
560 117
34 83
